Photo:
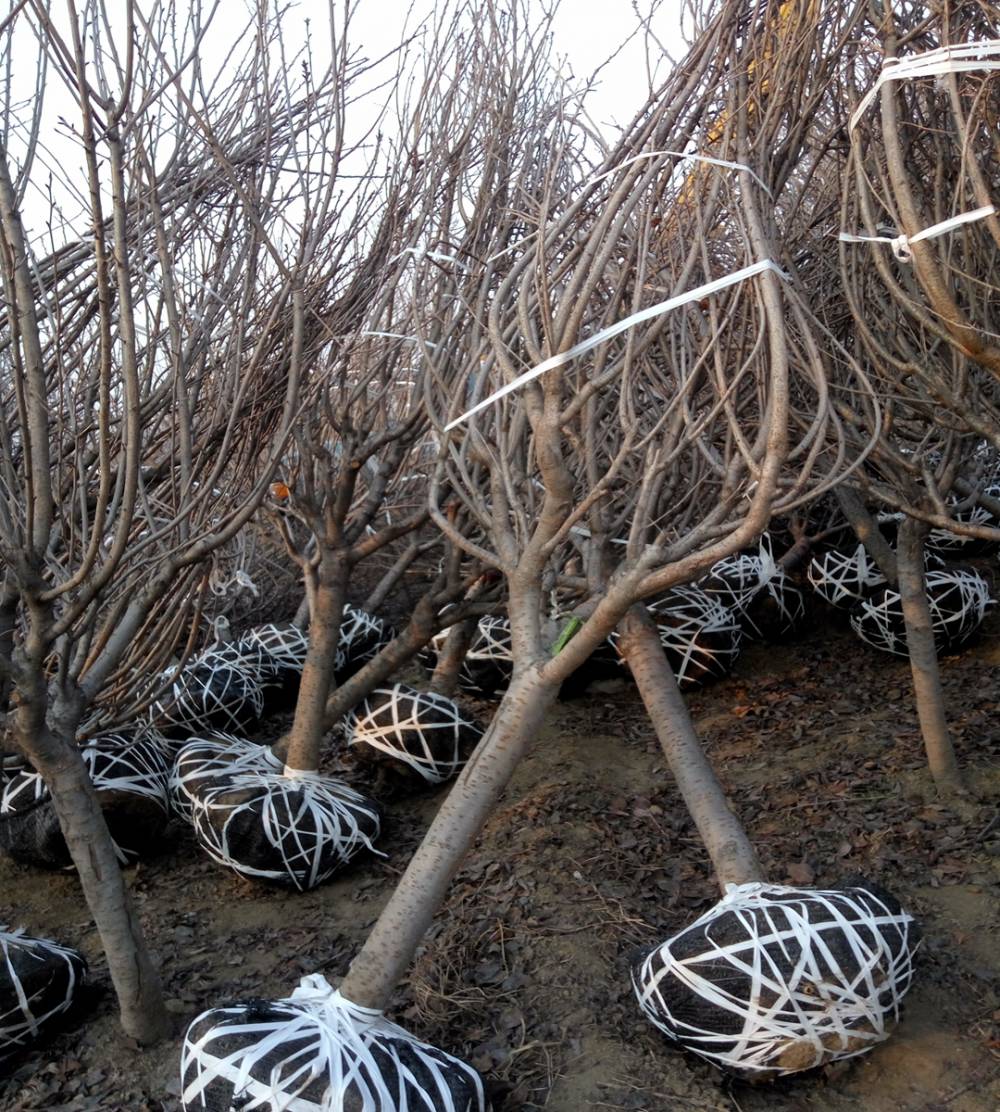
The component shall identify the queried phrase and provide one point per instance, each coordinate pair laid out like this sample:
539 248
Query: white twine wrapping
345 1048
964 58
901 244
617 328
795 1006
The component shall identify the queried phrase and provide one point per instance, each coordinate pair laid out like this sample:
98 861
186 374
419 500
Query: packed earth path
589 858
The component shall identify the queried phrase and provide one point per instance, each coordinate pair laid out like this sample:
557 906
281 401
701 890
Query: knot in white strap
901 244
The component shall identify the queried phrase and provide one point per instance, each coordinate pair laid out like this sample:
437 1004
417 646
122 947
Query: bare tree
150 371
917 308
677 433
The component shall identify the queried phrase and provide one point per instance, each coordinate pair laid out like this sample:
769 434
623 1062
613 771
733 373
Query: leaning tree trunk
725 839
923 658
57 758
452 656
867 531
393 940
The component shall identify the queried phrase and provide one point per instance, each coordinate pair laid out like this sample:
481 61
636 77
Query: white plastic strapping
39 980
318 1052
422 730
744 579
958 599
774 980
901 244
964 58
489 662
701 636
618 327
266 826
841 578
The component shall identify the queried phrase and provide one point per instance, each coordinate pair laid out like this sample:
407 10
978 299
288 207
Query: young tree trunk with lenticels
924 666
397 933
728 846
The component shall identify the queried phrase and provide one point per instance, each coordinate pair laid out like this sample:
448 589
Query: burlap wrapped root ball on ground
843 578
776 980
422 737
701 636
489 662
958 599
130 774
284 647
214 691
771 605
39 982
969 512
200 761
317 1052
295 831
362 637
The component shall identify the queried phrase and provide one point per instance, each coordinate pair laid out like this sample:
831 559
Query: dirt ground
590 857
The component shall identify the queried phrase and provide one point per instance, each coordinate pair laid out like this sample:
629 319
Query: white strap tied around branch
689 157
621 326
901 244
965 58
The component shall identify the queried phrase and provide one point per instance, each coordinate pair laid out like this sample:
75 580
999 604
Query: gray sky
585 34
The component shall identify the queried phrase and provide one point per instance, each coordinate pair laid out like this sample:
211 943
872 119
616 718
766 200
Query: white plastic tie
901 244
689 157
966 58
621 326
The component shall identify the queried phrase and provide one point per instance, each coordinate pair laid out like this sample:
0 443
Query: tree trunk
396 935
136 983
923 658
306 735
867 531
725 839
452 656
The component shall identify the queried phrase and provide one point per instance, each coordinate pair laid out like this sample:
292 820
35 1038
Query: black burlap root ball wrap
130 774
284 647
295 831
362 637
776 980
842 578
958 599
39 981
771 605
202 759
213 692
415 732
701 636
489 663
957 544
317 1052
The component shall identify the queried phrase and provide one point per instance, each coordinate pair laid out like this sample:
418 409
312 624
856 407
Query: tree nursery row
369 407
